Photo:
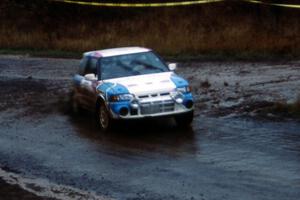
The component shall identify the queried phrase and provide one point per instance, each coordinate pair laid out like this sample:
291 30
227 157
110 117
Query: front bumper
151 107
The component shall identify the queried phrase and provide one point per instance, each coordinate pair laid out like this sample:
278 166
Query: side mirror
172 66
90 77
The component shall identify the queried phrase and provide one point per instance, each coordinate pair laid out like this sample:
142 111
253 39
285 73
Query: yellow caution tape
163 4
168 4
274 4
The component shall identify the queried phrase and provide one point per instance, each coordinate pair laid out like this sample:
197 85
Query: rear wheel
103 117
184 120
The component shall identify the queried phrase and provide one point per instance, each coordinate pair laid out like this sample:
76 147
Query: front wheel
103 118
184 120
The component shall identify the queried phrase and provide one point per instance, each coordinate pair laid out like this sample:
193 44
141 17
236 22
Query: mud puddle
42 189
47 150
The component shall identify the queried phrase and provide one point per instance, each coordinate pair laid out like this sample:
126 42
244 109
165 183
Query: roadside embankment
218 30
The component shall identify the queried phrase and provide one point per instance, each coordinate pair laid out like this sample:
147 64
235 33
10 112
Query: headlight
185 89
121 97
178 97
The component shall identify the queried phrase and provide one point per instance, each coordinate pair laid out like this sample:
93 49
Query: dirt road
229 153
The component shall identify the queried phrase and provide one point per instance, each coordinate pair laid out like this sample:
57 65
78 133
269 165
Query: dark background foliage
230 27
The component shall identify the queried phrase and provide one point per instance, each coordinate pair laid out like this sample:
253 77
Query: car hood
147 84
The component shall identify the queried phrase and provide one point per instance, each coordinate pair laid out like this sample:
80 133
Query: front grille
157 107
153 95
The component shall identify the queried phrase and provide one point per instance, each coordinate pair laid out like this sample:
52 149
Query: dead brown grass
217 28
292 109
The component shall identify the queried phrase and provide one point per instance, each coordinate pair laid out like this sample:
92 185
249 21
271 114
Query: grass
216 31
285 109
280 109
41 53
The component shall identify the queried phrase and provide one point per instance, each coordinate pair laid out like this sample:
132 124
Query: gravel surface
229 152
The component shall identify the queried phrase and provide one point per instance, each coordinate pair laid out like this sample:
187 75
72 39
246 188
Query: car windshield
131 65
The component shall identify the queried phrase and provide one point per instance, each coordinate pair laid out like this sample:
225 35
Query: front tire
103 118
184 120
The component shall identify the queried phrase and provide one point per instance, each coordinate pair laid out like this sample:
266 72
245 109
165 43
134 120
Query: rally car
131 83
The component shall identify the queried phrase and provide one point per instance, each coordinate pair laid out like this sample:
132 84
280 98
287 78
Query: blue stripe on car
178 81
120 89
112 88
103 87
116 106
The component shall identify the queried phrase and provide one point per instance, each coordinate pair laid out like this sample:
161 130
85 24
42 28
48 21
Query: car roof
116 51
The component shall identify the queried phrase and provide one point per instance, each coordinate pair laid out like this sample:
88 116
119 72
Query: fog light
134 104
133 112
189 104
178 97
124 111
179 100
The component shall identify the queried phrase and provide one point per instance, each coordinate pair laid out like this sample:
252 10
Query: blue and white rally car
131 83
